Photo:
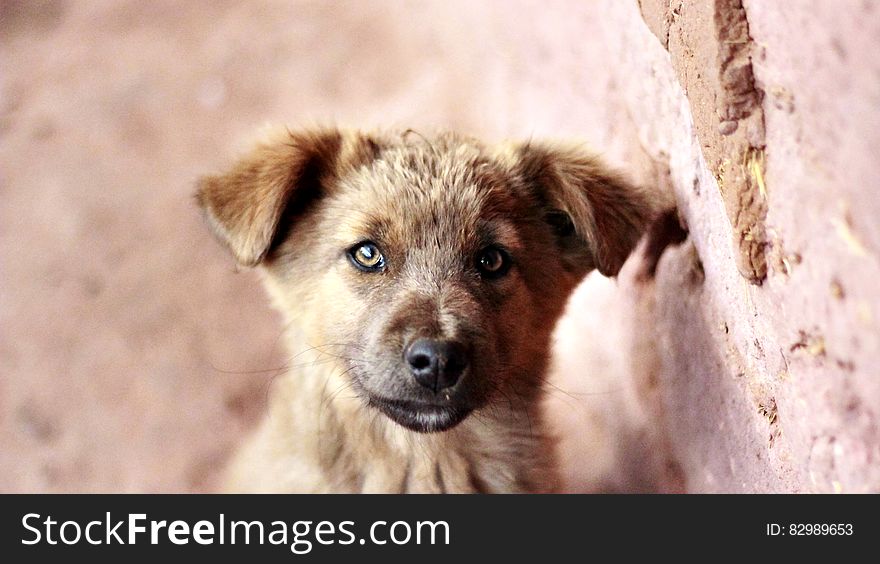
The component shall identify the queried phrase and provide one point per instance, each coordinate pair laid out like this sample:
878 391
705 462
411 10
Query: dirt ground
134 354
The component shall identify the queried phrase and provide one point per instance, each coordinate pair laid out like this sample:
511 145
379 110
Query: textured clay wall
738 351
761 117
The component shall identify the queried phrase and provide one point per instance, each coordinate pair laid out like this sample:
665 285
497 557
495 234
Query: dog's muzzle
435 402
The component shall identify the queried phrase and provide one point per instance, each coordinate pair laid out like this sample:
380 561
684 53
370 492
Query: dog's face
432 270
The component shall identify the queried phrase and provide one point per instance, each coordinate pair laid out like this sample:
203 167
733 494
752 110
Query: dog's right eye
367 257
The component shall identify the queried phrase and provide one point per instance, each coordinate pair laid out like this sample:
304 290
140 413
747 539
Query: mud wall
758 335
134 356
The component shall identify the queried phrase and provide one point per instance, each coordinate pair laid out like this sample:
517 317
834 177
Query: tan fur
298 202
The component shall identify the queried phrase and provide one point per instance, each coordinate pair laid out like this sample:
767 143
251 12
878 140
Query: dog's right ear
279 178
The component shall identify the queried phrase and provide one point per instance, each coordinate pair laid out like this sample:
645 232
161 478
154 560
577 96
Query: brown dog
421 280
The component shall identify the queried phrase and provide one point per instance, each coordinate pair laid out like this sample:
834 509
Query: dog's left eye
367 257
493 262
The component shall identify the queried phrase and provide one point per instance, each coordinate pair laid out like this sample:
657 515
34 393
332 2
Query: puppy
420 279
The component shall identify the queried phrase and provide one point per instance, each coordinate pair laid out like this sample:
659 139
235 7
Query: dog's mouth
420 417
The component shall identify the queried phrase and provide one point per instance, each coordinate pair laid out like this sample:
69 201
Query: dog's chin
420 417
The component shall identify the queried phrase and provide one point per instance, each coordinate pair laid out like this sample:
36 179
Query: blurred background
134 355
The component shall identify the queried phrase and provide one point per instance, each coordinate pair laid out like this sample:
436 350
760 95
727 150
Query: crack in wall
711 51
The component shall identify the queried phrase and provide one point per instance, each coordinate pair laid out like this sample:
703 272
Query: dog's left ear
597 215
276 181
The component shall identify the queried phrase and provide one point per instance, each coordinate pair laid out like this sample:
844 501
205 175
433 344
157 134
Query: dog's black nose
436 364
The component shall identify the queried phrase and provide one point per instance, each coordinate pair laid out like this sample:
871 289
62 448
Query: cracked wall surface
768 358
738 351
711 52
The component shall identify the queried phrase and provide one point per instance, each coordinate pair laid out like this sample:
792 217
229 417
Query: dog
420 279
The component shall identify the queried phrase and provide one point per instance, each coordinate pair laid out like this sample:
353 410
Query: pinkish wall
766 384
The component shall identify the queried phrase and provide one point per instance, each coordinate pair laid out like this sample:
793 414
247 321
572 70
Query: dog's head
433 269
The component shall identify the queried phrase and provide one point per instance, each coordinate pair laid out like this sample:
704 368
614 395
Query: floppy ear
597 215
279 178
